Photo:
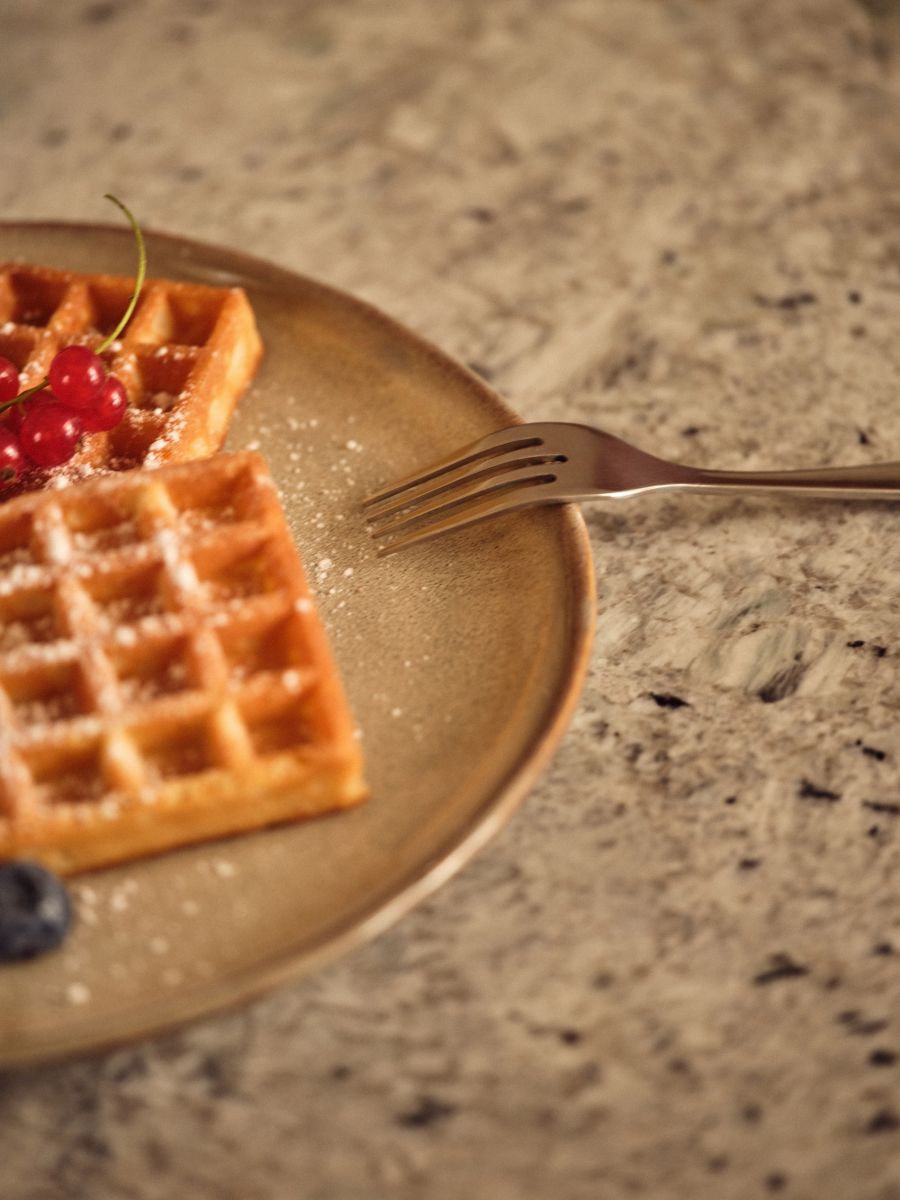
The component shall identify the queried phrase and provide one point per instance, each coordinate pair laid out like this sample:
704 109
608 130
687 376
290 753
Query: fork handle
870 482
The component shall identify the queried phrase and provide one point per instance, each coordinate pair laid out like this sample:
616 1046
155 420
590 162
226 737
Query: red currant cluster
44 426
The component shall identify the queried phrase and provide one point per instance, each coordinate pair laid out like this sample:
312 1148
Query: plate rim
247 985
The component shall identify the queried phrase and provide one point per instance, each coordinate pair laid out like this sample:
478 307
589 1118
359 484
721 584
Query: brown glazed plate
462 659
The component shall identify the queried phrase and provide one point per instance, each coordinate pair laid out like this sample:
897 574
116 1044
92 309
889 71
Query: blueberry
35 911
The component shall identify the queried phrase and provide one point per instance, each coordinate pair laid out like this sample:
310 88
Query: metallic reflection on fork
554 462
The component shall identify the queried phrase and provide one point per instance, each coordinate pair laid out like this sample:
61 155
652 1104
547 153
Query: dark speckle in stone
862 437
781 966
667 700
882 1058
570 1037
871 751
882 806
860 1026
99 14
636 363
879 651
856 643
858 331
668 257
341 1071
752 1114
718 1162
484 215
120 132
427 1110
749 864
884 1121
775 1182
212 1070
690 431
883 948
812 791
132 1067
54 136
782 684
789 301
731 799
854 297
603 980
873 831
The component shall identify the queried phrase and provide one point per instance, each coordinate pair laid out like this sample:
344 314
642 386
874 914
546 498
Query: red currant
50 434
76 376
108 409
9 380
15 415
12 418
12 462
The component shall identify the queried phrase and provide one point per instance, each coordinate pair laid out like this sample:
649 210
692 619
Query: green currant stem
138 279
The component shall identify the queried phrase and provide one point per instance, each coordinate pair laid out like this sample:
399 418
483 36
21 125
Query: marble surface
677 972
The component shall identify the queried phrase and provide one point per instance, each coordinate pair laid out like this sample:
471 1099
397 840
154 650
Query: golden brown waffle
185 357
164 677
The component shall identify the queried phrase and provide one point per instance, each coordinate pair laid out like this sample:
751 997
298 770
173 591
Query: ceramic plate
462 659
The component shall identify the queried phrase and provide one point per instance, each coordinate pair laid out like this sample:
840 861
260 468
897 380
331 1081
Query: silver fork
552 462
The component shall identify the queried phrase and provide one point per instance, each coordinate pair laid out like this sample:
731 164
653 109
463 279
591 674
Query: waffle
164 678
185 357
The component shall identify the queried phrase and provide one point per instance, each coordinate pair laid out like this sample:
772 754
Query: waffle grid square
185 357
163 674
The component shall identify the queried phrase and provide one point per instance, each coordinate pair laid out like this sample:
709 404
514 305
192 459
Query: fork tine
479 470
522 495
441 503
487 447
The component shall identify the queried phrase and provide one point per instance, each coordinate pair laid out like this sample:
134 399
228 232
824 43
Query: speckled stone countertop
677 972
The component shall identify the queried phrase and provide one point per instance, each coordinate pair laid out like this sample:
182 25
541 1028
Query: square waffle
164 678
185 357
